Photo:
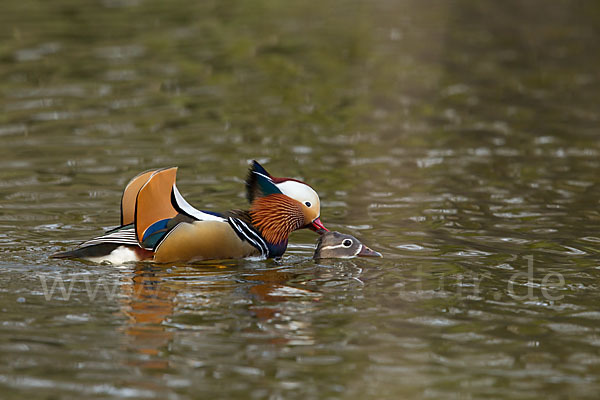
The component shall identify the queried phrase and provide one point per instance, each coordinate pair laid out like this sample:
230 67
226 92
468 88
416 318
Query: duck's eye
347 243
307 204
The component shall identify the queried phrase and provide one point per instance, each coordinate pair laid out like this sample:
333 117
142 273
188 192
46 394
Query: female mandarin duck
341 245
158 224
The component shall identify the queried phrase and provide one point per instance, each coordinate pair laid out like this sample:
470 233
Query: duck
159 225
333 244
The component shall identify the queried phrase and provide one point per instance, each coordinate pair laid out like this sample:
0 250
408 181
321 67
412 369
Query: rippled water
460 139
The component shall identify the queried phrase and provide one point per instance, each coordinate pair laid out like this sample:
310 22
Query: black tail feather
97 250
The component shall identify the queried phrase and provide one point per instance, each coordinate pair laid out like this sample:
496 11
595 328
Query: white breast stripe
247 236
251 237
256 236
241 232
191 211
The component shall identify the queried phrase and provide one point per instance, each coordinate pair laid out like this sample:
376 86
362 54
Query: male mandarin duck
158 224
340 245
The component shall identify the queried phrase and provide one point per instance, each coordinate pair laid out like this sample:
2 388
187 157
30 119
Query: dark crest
259 183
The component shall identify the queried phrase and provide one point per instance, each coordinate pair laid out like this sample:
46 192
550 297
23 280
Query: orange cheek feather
276 216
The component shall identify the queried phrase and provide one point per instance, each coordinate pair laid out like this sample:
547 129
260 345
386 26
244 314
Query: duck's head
340 245
281 205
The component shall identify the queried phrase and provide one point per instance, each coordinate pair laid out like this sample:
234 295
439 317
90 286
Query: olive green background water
458 138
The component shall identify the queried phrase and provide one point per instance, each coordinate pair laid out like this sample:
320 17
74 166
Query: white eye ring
307 204
347 243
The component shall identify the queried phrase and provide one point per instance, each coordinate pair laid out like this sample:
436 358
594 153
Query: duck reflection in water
154 298
147 301
149 297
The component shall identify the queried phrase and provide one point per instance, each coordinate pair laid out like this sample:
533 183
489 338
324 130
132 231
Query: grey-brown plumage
340 245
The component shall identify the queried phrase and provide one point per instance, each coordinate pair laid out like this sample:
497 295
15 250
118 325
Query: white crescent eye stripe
338 246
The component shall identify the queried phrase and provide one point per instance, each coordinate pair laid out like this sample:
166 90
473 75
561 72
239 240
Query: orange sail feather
153 202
